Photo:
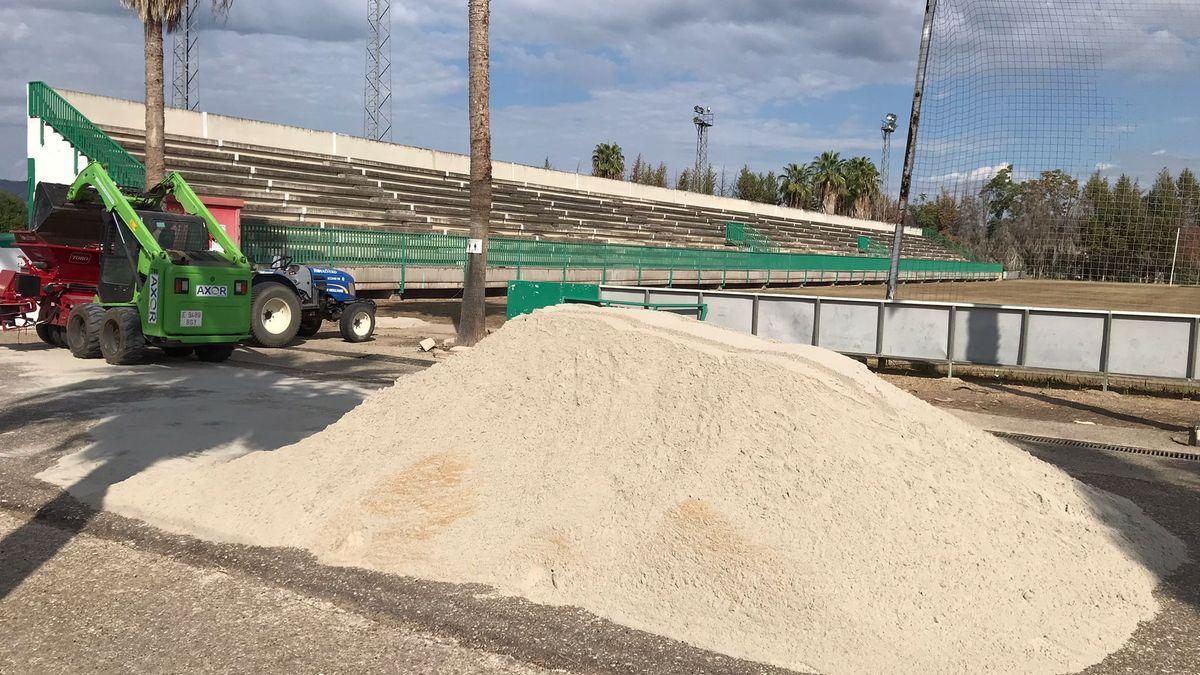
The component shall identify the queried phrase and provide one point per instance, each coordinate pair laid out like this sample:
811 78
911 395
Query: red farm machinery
60 267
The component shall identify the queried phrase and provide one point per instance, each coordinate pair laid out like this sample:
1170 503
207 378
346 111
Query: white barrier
1076 340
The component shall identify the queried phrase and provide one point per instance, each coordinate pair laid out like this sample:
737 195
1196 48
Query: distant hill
15 188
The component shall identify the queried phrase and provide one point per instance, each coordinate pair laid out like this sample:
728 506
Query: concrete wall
129 114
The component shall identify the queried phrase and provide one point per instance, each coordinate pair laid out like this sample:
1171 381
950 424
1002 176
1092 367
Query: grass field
1032 293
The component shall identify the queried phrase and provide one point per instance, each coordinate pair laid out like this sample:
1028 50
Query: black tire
214 353
310 324
358 322
83 330
45 333
121 339
58 335
178 352
269 303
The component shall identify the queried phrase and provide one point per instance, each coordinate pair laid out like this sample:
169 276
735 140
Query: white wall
54 158
116 112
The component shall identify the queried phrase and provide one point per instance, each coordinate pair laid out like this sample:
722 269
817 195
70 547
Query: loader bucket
59 222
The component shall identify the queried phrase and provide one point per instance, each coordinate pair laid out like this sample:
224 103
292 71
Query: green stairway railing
748 239
57 113
262 242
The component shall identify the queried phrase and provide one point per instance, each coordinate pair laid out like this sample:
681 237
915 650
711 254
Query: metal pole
1175 255
910 152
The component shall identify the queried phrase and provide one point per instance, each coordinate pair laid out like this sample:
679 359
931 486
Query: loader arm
95 177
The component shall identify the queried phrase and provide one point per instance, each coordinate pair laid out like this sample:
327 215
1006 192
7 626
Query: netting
1058 137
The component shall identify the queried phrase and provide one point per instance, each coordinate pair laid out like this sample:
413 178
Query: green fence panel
56 112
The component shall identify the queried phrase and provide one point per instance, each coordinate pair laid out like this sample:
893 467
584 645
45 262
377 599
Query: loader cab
119 251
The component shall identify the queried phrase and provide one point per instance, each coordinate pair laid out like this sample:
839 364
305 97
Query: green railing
262 242
57 113
748 239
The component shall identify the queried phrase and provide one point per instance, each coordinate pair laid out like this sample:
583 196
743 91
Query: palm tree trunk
471 325
155 115
831 200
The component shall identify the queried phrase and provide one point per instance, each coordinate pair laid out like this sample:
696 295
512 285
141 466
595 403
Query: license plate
191 318
203 291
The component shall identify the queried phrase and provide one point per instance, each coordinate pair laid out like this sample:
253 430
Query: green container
526 296
7 240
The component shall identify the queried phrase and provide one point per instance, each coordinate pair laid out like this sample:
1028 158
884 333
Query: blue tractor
290 300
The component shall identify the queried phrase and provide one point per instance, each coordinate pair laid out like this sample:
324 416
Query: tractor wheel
45 333
83 330
121 339
275 315
178 352
214 353
58 335
310 324
358 322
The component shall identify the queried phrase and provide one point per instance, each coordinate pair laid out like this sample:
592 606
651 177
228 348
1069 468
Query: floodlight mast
377 96
704 121
885 160
184 62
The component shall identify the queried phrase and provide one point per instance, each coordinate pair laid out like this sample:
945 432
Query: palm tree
862 186
829 179
796 185
608 161
155 14
471 325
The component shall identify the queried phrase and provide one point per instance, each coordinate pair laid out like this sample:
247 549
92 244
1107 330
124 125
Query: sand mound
771 502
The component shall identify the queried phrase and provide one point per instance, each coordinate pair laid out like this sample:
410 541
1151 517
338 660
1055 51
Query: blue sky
786 78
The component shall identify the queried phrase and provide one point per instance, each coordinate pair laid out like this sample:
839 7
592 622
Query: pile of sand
777 503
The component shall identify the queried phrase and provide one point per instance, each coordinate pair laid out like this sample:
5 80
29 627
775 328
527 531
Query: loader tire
121 339
275 315
358 322
214 353
83 330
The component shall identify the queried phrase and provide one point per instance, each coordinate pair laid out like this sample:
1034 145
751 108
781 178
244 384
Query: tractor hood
337 283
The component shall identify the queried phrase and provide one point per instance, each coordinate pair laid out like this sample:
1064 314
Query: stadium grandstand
398 214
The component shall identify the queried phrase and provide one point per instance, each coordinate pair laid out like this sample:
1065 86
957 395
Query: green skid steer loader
160 284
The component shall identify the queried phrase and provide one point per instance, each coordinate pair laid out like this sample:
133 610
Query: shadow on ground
128 419
1042 397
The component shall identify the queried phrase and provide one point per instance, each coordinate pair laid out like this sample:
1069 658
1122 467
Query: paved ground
86 590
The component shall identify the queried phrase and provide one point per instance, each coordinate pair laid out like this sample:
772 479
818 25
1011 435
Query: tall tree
684 181
156 15
608 161
830 179
638 173
471 324
796 186
862 186
1189 197
999 194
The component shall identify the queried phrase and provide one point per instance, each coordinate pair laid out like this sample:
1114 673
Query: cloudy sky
786 78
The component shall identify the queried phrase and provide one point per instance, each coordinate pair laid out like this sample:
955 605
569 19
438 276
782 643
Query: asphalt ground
86 590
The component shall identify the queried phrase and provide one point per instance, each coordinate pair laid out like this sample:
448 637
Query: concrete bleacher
292 186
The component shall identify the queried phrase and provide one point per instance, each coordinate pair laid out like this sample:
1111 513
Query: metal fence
262 242
1059 137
